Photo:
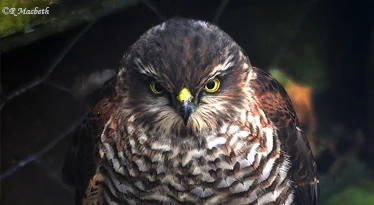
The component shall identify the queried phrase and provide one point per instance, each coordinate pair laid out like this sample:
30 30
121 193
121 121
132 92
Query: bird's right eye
156 87
212 86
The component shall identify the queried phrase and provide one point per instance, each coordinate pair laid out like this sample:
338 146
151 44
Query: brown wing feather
278 107
83 156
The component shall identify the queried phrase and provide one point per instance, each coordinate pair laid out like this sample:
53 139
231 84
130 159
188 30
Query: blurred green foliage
305 63
281 76
356 194
300 48
348 187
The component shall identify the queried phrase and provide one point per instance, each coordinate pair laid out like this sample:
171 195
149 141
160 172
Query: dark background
324 48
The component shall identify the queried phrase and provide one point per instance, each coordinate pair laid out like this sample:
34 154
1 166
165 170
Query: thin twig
219 11
58 86
45 149
153 9
50 69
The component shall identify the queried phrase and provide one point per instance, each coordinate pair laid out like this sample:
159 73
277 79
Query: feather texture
242 144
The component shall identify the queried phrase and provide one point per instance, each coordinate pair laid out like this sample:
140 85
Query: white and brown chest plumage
240 145
241 164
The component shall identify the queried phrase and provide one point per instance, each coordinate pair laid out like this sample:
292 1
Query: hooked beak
187 107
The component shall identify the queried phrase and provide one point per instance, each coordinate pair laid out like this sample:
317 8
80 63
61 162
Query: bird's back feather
278 107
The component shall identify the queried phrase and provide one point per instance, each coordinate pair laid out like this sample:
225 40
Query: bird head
182 78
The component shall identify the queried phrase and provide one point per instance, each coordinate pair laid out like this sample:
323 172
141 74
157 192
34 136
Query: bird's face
180 81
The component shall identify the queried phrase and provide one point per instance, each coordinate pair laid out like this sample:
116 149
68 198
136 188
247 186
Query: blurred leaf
304 63
349 178
352 195
281 77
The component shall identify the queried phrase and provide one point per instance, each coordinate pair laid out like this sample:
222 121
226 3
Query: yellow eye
212 86
156 87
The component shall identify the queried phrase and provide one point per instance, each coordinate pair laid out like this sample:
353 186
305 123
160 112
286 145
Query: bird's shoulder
83 154
277 106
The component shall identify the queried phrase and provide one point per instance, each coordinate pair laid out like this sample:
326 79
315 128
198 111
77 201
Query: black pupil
158 87
210 85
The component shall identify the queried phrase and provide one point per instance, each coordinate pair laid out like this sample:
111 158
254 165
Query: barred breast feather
241 144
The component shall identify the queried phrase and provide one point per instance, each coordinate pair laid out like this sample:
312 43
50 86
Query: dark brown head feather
183 53
132 120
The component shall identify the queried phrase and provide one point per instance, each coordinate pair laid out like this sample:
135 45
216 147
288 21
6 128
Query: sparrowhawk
189 120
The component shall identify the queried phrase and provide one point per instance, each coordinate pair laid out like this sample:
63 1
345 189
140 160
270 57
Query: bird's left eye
156 87
212 86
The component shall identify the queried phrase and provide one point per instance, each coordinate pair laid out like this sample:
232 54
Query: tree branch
35 156
50 69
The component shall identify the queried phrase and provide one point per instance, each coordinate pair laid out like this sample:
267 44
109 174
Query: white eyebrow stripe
222 67
145 69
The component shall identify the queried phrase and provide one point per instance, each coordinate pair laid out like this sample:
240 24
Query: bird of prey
189 120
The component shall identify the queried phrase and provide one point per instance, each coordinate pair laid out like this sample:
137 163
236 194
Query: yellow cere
184 95
212 86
